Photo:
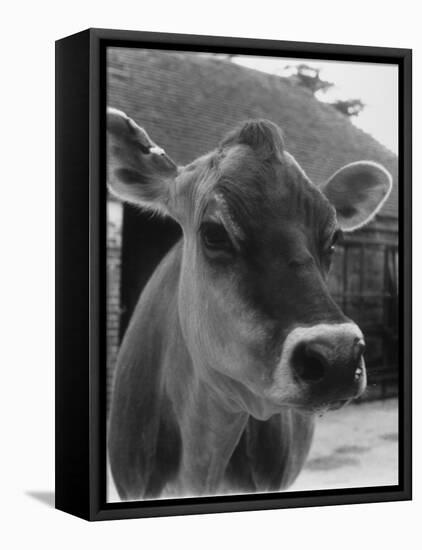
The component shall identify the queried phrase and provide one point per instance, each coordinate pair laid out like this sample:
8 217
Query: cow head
258 240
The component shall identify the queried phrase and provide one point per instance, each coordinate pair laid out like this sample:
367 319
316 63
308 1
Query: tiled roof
187 102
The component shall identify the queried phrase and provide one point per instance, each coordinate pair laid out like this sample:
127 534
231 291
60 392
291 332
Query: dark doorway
146 238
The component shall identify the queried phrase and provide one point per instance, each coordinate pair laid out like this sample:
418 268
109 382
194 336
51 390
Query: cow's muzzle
326 361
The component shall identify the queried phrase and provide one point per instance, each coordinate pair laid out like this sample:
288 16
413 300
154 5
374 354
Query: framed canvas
233 275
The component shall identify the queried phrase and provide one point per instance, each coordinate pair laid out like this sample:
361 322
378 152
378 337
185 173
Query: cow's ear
358 191
138 171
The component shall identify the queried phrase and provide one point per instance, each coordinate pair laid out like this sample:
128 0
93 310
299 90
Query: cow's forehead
257 193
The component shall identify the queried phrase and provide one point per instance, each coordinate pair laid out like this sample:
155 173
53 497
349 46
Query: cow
235 345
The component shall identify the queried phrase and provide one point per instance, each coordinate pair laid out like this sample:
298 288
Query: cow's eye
215 237
334 241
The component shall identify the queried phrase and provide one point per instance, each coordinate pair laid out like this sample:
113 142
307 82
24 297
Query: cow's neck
210 426
210 434
210 429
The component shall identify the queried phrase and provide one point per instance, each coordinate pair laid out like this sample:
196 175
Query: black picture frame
80 274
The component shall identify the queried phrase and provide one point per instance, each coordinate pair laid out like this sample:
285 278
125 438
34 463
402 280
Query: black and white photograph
210 237
252 265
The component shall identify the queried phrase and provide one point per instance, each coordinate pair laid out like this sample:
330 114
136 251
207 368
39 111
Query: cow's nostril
309 363
359 348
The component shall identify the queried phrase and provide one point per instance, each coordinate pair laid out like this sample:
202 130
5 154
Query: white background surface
27 274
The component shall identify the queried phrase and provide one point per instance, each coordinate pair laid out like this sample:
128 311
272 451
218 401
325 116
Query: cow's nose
331 366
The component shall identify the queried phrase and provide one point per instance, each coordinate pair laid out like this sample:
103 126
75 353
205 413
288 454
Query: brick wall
114 241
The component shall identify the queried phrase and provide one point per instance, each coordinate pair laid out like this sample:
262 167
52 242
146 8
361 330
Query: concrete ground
354 447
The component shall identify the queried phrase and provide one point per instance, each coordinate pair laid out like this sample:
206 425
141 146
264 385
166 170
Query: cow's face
259 237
